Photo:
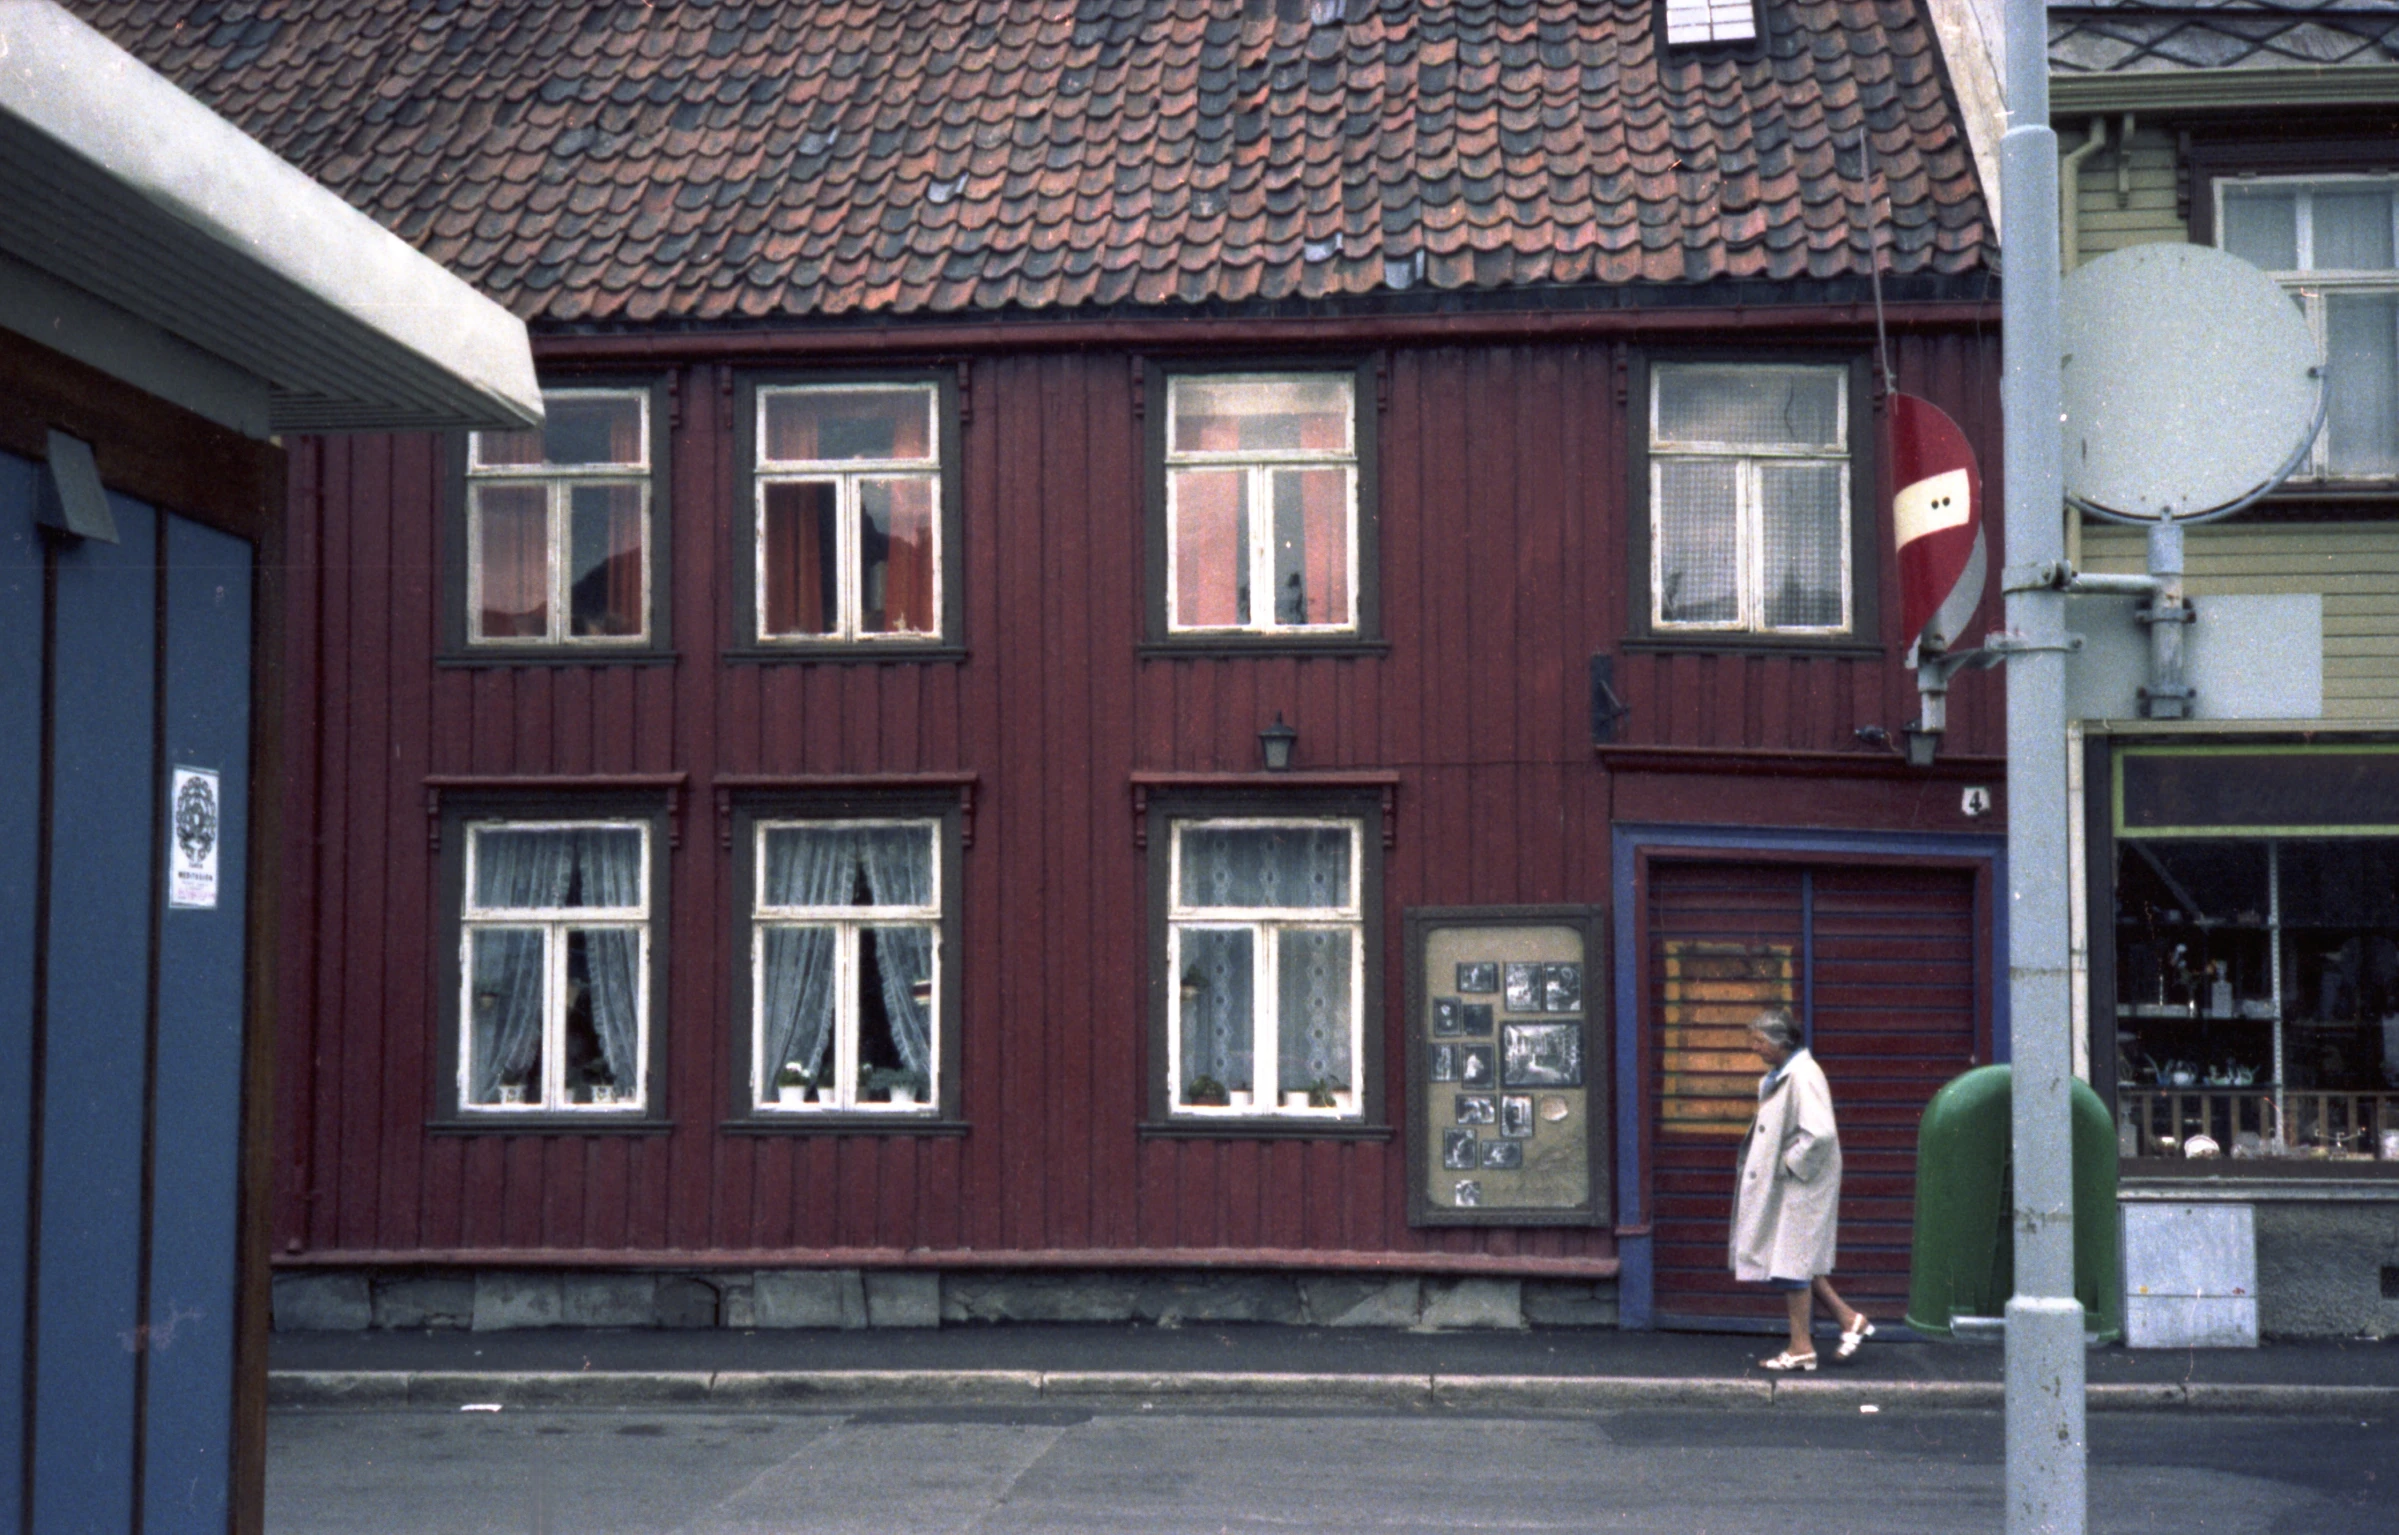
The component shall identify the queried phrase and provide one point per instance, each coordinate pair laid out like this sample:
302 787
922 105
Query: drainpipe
2069 193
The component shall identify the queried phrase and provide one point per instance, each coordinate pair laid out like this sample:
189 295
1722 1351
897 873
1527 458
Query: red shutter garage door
1886 960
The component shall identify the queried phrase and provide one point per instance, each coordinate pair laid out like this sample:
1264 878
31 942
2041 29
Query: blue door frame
1630 841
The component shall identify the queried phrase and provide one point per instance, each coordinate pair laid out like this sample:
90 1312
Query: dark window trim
744 808
1366 412
659 647
1164 805
456 807
1865 636
741 567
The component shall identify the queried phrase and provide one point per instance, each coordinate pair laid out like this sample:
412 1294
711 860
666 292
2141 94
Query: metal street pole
2045 1447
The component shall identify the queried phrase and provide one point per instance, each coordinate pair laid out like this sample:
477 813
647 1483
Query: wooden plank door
1881 963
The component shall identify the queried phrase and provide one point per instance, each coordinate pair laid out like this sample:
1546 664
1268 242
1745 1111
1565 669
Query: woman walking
1788 1202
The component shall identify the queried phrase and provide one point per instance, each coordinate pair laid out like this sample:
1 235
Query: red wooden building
808 815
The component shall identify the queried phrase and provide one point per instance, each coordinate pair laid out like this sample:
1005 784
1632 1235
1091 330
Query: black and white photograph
1448 1021
1474 1066
1540 1055
1467 1193
1561 988
1477 1109
1443 1064
1476 1019
1479 979
1503 1154
1524 986
1516 1116
1461 1150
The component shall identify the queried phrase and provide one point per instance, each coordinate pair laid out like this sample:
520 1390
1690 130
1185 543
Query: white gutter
117 184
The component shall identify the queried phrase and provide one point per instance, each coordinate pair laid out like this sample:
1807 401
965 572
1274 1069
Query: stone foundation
490 1300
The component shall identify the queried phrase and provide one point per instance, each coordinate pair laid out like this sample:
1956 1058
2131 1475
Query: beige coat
1788 1201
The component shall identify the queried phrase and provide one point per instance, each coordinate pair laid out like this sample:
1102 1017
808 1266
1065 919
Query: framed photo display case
1507 1066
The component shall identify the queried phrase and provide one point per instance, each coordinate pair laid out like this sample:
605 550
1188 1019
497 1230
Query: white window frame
1696 23
845 475
1263 924
849 923
1260 465
1748 460
2311 286
553 923
559 481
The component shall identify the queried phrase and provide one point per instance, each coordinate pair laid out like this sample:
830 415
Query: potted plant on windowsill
791 1085
512 1091
1206 1092
1324 1094
900 1086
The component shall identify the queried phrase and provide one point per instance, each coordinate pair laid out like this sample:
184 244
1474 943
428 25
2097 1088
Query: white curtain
899 872
511 974
803 868
1313 1024
1215 986
609 862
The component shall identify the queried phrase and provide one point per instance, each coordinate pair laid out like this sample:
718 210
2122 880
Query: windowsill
842 1124
1218 646
549 1122
1722 642
859 651
557 655
1263 1128
2272 1178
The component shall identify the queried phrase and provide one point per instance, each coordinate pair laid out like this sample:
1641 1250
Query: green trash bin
1964 1260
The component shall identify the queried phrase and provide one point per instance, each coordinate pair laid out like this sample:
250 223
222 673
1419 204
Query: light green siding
2145 214
2355 565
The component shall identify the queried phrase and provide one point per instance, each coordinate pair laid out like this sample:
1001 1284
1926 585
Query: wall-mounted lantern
1275 743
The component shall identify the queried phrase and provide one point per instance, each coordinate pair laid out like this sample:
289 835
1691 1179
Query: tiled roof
760 159
2159 36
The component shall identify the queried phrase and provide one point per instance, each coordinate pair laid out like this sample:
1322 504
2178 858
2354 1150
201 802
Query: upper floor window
554 967
558 525
1261 487
1750 506
2333 241
848 516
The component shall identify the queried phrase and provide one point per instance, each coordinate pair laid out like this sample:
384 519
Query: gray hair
1777 1024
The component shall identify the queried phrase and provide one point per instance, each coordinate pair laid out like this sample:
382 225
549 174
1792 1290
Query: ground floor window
845 949
554 967
2255 953
1265 942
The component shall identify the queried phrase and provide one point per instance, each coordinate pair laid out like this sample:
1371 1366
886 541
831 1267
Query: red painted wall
1503 569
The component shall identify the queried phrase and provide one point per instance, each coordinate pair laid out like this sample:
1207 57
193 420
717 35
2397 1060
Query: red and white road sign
1937 522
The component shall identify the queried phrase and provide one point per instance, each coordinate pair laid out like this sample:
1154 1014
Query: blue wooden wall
120 1020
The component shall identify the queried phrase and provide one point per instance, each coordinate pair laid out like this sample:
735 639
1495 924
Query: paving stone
686 1301
609 1300
902 1298
1005 1297
505 1300
808 1298
1570 1302
322 1303
1473 1302
1341 1301
412 1302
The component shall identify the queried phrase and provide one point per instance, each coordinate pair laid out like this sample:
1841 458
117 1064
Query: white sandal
1854 1338
1786 1360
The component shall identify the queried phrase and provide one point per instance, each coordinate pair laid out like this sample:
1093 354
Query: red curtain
1211 547
799 533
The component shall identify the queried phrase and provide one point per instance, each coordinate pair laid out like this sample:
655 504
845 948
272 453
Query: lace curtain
1296 868
832 867
590 866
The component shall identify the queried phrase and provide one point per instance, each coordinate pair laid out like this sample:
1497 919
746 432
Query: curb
741 1390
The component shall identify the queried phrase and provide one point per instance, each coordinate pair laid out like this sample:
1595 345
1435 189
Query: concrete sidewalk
1132 1367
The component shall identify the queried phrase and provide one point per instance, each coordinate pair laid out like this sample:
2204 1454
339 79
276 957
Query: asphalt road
1001 1471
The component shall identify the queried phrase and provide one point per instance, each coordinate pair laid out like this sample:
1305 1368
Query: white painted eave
118 185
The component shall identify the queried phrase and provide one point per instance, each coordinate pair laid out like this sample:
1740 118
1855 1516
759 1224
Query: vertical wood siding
1502 571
